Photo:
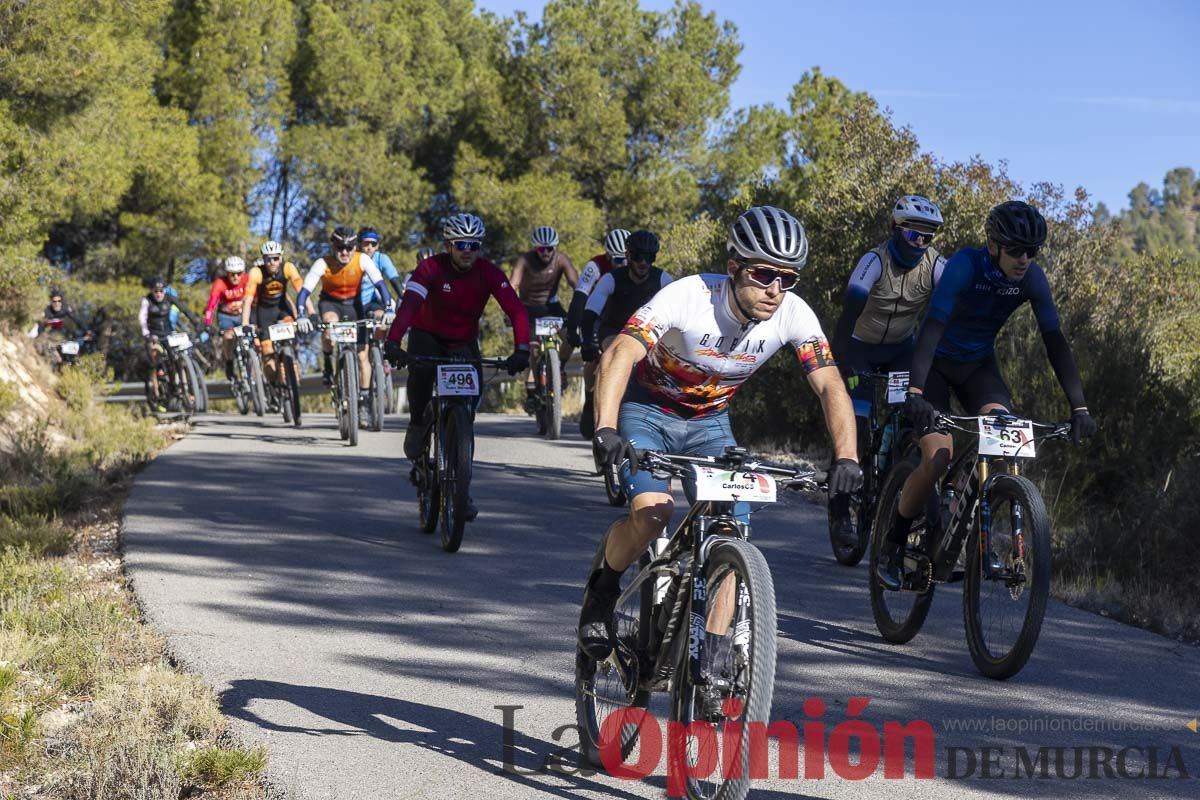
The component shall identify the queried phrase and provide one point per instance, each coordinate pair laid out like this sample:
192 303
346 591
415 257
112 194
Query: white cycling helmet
614 242
917 212
544 236
272 248
235 264
766 233
462 226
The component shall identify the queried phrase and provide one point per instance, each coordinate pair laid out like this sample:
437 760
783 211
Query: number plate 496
457 380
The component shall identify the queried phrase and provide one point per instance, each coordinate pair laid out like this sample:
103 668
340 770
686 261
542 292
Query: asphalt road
288 570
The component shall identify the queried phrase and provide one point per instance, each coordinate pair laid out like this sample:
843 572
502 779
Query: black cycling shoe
889 572
327 379
844 531
596 627
471 511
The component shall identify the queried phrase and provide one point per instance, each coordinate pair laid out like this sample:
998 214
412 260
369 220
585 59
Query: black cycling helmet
424 253
155 282
1016 223
343 236
641 246
56 292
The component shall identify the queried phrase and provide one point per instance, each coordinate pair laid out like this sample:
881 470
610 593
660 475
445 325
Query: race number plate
344 332
547 326
282 331
897 387
724 486
457 380
179 341
1013 438
69 348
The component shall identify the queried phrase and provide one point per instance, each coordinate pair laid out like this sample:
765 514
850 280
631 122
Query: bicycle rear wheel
456 473
348 383
552 394
607 687
900 614
1003 614
378 390
741 609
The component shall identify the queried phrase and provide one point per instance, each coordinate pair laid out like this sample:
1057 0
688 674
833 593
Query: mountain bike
696 620
179 380
346 378
888 438
984 501
442 475
287 370
547 378
248 388
378 390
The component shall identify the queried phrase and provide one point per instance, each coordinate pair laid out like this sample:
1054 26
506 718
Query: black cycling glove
614 449
1082 426
920 412
845 476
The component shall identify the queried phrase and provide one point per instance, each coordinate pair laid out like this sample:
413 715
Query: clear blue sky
1097 94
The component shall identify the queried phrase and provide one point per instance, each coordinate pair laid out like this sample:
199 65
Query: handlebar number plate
69 348
725 486
344 332
1014 438
282 331
179 341
457 380
897 387
547 326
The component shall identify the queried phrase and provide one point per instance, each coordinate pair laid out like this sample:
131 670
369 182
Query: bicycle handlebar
735 459
487 361
1058 430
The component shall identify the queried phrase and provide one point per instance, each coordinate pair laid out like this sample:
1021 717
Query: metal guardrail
218 389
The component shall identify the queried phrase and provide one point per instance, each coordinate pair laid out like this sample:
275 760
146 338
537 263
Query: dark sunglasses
642 258
619 261
467 245
158 289
1018 250
271 259
344 248
919 238
765 276
544 250
370 242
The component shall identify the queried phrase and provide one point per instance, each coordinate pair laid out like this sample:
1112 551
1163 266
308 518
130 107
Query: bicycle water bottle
662 581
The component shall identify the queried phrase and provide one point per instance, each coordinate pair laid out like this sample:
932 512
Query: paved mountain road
288 570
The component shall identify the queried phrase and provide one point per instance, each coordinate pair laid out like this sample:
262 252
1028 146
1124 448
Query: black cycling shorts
346 310
554 309
266 316
975 384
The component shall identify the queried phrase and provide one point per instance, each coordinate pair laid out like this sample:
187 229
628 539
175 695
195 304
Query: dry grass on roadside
1155 608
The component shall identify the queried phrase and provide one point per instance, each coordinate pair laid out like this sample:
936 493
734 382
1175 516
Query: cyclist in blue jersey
887 293
368 243
979 290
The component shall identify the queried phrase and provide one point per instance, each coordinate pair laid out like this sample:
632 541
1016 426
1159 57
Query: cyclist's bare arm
518 274
839 411
569 271
616 365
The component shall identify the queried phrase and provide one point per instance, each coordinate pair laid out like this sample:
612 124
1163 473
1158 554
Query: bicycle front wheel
258 389
552 395
898 614
1003 612
378 390
348 367
189 384
737 680
241 385
291 384
426 474
456 474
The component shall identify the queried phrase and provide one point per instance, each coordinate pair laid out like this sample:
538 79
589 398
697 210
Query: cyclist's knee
650 512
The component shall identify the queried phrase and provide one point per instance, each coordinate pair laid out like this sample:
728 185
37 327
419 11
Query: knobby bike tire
200 387
539 393
241 387
745 560
589 712
258 389
378 400
456 478
190 384
552 395
429 485
904 626
1017 491
291 383
349 370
